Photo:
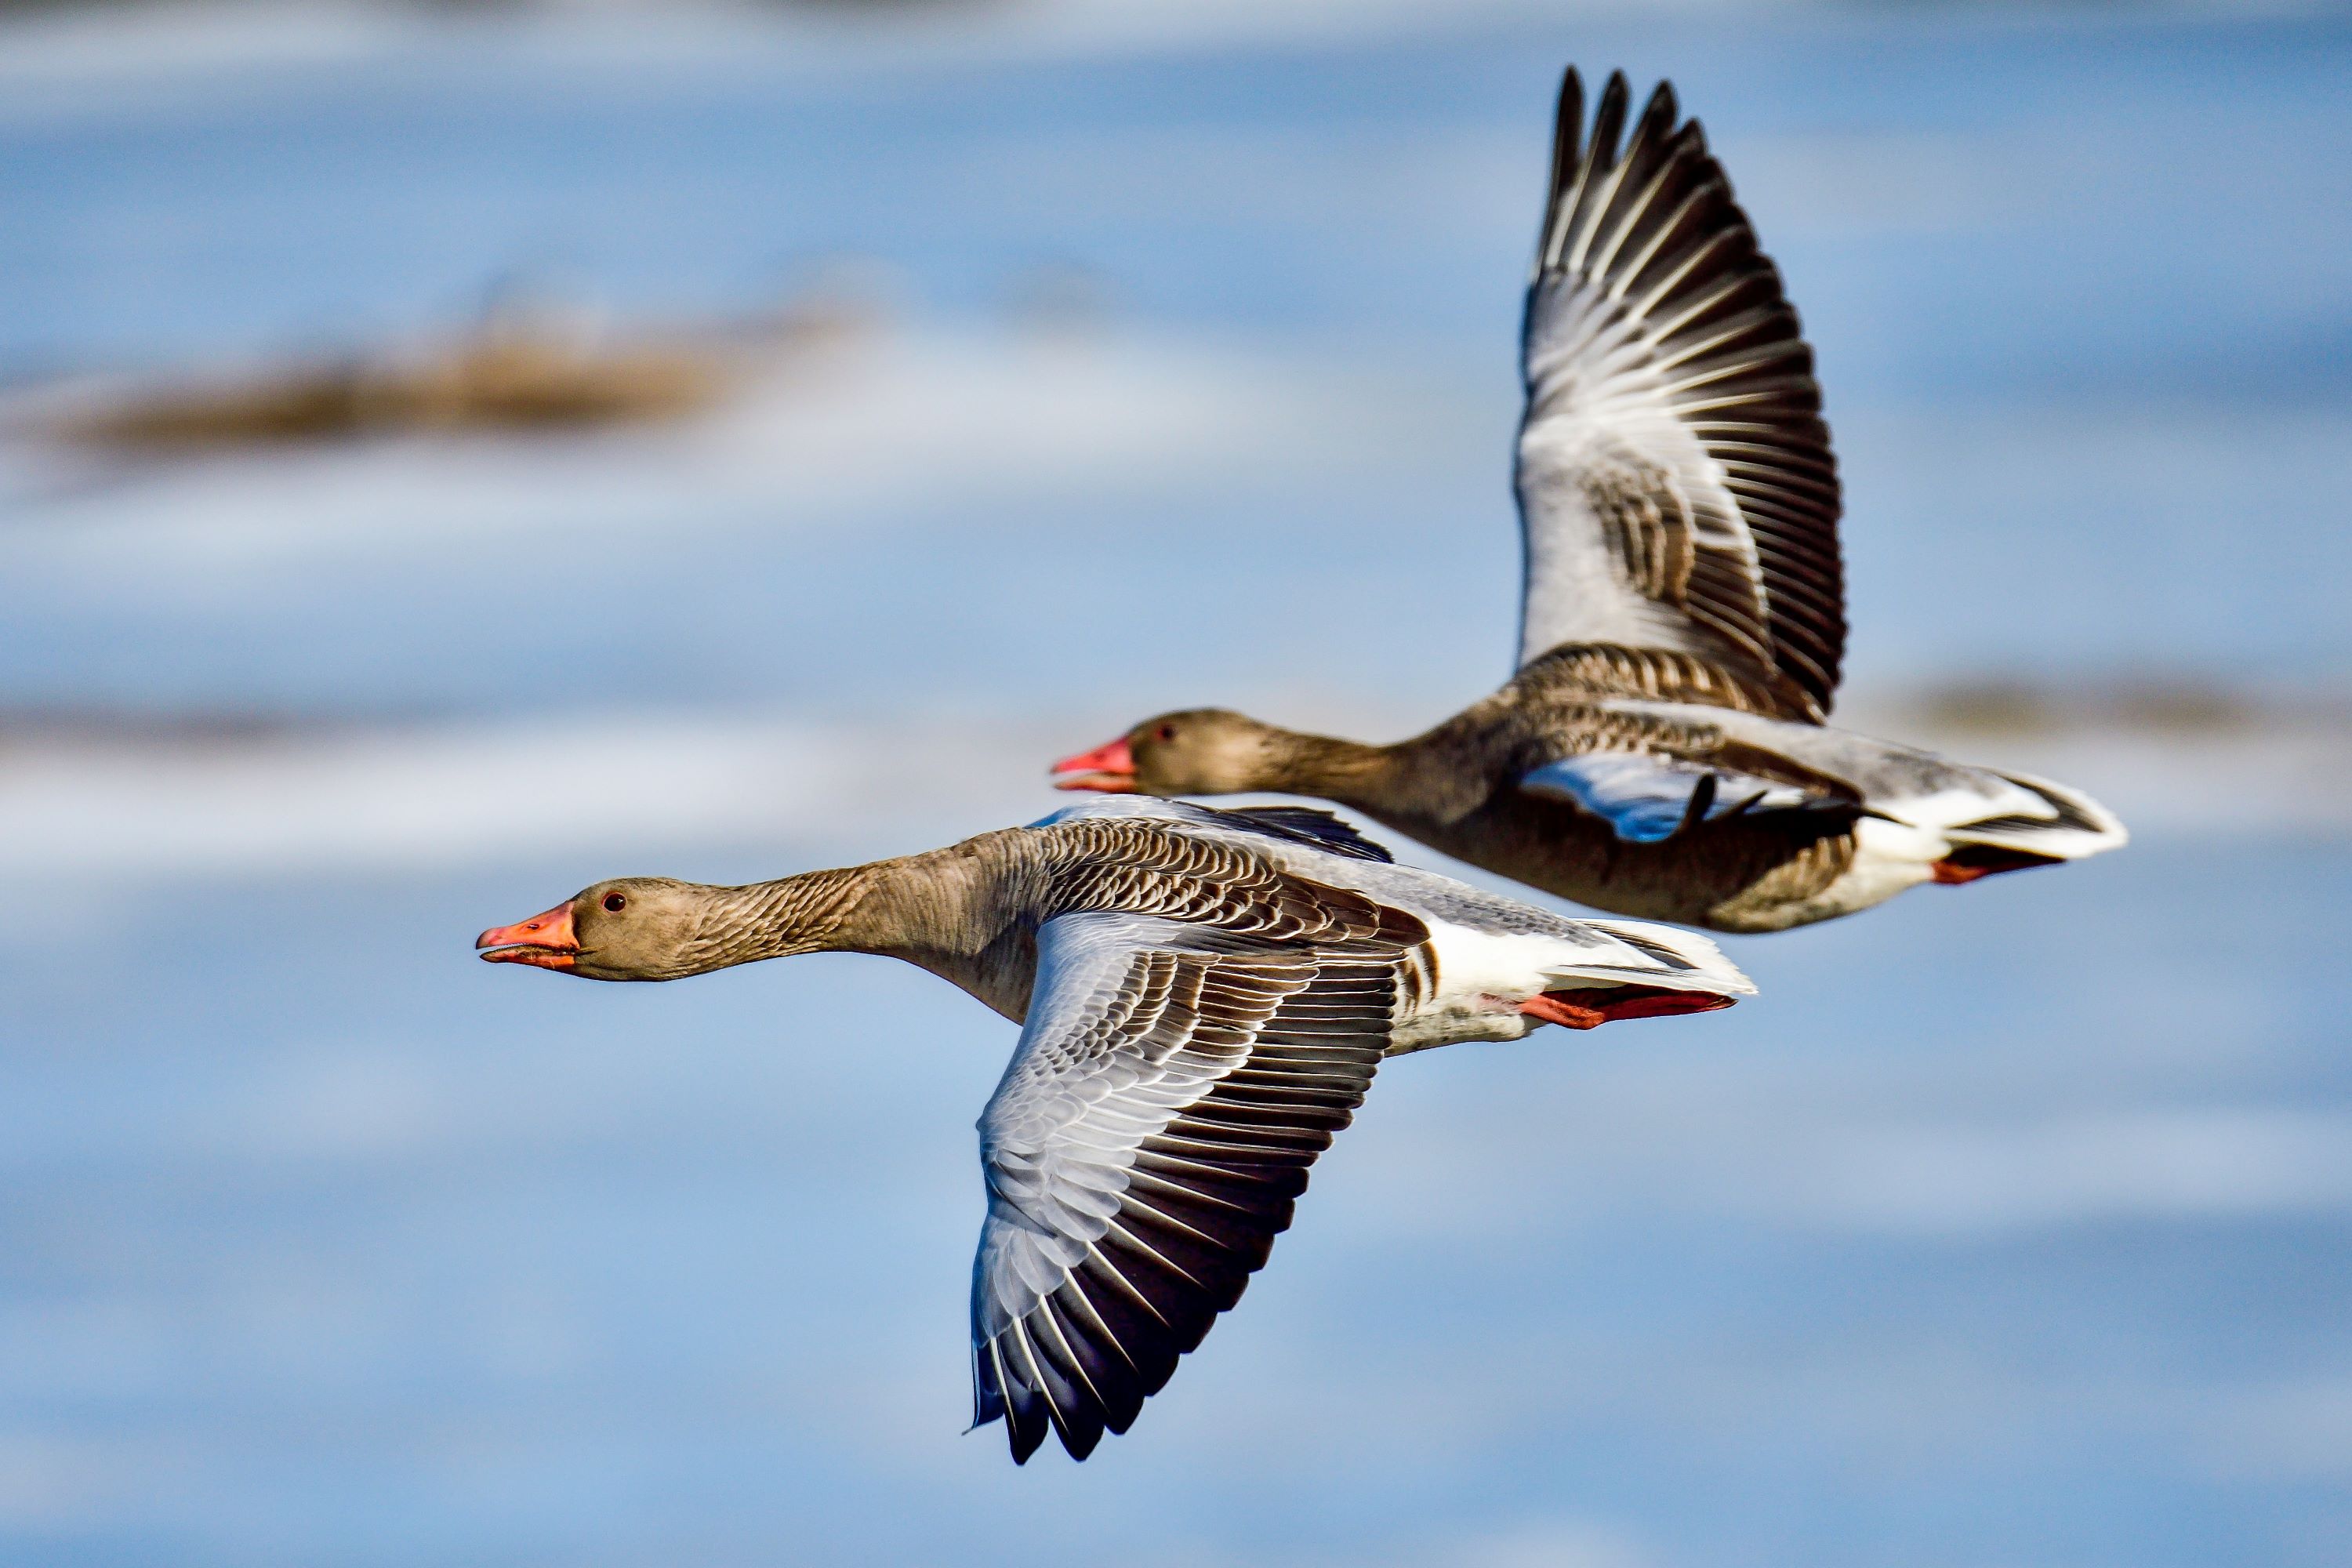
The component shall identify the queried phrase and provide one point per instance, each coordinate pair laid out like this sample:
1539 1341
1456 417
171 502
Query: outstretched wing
1172 1087
1676 488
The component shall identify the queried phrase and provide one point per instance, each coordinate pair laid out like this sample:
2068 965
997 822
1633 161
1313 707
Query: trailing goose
1203 997
1664 749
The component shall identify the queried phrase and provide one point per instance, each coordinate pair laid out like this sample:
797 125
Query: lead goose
1662 749
1203 996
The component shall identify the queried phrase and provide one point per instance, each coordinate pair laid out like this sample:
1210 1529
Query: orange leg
1606 1004
1971 861
1556 1009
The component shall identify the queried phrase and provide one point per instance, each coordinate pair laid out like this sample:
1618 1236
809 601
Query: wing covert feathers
1677 484
1200 1024
1143 1151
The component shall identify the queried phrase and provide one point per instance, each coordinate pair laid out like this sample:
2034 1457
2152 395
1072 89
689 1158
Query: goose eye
616 902
1167 732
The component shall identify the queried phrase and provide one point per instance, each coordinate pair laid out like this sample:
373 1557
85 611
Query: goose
1664 749
1203 996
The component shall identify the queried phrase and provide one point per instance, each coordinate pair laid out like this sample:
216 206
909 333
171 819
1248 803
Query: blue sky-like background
2009 1225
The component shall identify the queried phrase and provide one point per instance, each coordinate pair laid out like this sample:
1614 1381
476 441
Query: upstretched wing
1676 488
1172 1087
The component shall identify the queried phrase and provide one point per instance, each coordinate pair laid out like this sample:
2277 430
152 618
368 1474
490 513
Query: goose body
1664 749
1204 997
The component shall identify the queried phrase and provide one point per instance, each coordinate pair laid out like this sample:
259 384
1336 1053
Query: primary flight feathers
1204 997
1675 477
1662 749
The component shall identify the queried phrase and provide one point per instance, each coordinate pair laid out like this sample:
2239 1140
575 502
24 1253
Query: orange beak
543 941
1110 770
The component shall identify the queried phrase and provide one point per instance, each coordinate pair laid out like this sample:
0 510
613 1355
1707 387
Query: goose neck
814 911
1348 772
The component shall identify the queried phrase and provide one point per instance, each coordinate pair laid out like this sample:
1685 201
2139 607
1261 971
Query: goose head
631 928
1201 751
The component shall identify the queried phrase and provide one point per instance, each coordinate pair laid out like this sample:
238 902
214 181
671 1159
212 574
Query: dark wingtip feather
1660 111
987 1404
1025 1425
1208 1190
1654 222
1308 824
1567 132
1081 1443
1609 120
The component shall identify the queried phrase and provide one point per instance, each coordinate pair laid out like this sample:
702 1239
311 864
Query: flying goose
1664 749
1203 997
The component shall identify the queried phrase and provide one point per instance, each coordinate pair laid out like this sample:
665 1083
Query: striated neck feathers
812 913
942 905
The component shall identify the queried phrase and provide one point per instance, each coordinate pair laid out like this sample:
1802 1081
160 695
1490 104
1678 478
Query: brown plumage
1204 998
1662 749
1455 787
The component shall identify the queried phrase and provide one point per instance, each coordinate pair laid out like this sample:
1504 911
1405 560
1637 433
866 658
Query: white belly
1482 978
1888 858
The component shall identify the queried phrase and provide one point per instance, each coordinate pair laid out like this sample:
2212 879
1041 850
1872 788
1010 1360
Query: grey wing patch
1676 486
1144 1148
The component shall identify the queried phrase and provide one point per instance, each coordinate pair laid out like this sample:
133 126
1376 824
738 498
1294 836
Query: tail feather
1663 956
2075 825
1956 804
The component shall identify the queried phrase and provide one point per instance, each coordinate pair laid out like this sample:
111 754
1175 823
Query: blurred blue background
1065 361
